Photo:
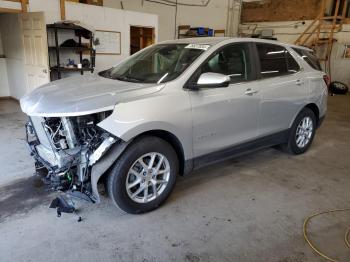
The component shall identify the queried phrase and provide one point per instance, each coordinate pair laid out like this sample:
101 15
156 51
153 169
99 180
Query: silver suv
169 109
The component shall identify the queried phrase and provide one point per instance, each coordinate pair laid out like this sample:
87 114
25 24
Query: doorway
23 51
140 37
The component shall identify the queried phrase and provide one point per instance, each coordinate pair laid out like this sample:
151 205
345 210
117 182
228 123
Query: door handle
299 82
250 92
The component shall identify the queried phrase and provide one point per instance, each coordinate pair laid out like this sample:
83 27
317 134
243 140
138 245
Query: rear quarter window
309 57
275 60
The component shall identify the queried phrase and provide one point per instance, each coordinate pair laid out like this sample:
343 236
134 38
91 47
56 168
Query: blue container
200 31
211 32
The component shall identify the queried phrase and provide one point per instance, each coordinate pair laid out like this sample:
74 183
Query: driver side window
232 60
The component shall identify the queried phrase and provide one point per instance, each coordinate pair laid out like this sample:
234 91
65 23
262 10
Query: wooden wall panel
280 10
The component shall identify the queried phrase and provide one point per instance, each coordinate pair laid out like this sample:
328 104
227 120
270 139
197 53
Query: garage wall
1 49
13 50
289 31
100 18
111 20
340 66
213 16
4 85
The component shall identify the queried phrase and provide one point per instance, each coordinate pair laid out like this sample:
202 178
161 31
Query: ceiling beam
9 10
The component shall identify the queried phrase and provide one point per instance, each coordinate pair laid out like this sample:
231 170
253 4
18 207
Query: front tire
302 132
144 176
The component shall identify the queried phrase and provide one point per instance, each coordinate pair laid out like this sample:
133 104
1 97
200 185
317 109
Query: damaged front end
66 150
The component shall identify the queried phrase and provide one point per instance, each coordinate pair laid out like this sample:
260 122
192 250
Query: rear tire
144 176
302 133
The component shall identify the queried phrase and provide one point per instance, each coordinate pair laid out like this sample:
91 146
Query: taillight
326 79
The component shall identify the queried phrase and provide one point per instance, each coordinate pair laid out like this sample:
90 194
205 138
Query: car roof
217 40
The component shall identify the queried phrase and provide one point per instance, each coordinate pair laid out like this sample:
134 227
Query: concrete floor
247 209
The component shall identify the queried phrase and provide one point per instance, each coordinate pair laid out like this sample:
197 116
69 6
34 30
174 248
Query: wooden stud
24 6
141 38
343 18
335 15
63 9
323 4
23 3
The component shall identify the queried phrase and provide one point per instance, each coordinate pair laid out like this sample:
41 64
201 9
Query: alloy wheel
304 132
148 177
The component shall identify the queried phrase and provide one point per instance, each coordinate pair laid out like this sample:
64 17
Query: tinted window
160 63
292 65
309 57
232 60
275 61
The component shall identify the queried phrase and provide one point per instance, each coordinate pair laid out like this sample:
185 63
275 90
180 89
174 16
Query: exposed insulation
280 10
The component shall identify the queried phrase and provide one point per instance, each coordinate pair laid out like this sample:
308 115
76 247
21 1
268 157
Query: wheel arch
172 140
314 108
101 169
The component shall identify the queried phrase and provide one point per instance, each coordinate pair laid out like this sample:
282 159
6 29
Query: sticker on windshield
198 46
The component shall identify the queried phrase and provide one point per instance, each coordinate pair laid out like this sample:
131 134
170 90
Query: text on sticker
198 46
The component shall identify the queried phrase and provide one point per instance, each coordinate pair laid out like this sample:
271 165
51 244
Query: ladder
320 32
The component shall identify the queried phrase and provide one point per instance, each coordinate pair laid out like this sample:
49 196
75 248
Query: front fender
132 130
104 164
160 112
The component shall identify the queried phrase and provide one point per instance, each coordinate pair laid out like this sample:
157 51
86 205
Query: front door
225 116
35 49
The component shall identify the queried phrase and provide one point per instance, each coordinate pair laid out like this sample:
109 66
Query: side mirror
213 80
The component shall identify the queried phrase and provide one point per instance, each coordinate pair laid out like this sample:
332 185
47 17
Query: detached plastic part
62 206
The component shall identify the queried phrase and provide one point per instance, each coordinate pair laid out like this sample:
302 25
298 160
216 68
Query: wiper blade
128 78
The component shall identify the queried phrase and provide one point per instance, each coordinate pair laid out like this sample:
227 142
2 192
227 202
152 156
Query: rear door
283 88
225 116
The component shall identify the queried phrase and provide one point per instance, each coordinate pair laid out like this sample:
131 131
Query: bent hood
82 95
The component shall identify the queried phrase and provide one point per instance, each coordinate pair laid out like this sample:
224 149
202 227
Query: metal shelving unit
185 31
56 68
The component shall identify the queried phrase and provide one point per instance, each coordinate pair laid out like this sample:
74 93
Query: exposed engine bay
66 148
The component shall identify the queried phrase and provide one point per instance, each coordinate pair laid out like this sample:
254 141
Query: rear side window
309 57
275 60
292 65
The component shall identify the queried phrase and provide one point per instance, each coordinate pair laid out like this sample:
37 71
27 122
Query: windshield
157 64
